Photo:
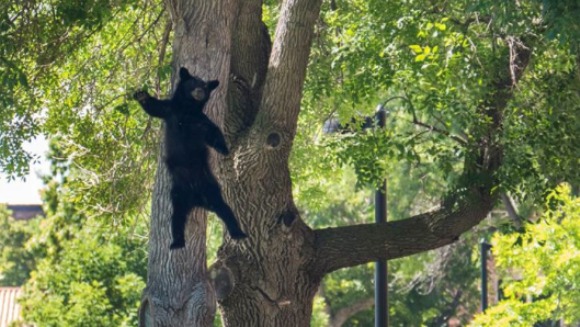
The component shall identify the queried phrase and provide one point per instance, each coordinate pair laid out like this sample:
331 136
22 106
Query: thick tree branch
349 246
263 149
287 67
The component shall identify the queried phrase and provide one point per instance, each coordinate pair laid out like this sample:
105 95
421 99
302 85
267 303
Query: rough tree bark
270 279
178 292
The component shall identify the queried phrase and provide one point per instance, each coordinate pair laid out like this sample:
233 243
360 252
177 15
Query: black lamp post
381 286
484 249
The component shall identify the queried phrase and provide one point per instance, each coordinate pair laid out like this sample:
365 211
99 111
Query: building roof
9 308
25 211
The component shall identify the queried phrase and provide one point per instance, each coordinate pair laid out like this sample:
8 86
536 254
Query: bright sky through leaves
27 191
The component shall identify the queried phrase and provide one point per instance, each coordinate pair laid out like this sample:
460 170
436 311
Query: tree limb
287 67
419 123
511 210
348 246
448 311
438 130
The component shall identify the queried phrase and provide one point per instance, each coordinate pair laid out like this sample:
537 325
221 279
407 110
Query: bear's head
192 90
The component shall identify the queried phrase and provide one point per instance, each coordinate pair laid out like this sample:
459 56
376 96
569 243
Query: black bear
188 132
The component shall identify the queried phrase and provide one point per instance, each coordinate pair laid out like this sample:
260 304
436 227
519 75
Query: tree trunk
266 276
270 278
178 292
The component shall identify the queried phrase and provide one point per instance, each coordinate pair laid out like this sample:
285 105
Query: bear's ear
184 74
211 85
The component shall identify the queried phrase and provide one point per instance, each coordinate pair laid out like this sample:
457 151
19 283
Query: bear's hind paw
237 235
177 245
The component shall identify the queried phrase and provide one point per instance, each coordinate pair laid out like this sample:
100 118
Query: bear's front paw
141 96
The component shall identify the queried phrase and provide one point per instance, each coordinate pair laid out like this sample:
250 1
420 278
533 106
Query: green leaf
416 48
420 57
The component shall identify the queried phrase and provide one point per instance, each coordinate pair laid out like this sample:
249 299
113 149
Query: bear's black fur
188 132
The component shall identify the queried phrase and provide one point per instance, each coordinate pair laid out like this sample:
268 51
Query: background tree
16 261
540 268
486 93
74 269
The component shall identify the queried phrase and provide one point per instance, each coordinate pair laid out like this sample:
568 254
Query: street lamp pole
381 285
485 247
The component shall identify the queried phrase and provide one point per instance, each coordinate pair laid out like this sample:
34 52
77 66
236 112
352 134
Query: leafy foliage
91 282
434 67
36 35
541 267
16 261
76 269
82 62
73 275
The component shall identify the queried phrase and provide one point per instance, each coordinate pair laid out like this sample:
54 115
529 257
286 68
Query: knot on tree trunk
222 280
